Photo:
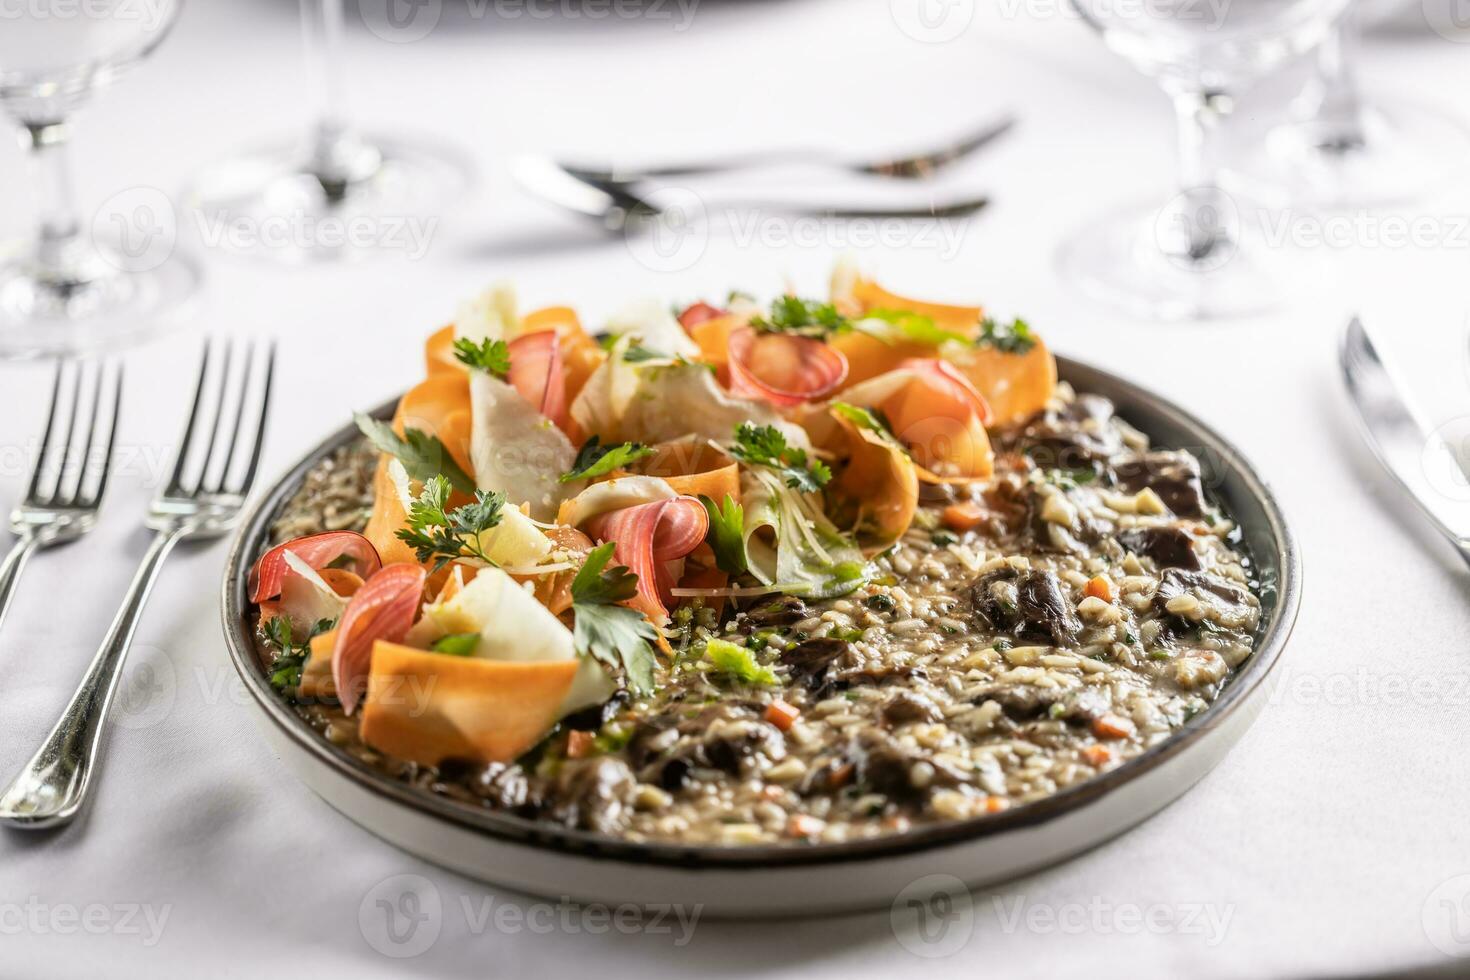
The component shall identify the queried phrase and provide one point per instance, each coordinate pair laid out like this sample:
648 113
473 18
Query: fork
53 512
50 790
907 166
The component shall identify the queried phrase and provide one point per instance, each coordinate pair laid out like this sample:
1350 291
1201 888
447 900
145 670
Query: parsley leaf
595 459
1011 338
612 634
804 317
737 662
457 644
441 536
490 356
287 666
422 455
638 353
765 445
726 533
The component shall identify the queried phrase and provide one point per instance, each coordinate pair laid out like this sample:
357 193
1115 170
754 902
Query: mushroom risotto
809 572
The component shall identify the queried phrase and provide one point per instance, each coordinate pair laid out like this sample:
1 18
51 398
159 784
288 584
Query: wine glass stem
1332 103
1201 203
337 157
59 233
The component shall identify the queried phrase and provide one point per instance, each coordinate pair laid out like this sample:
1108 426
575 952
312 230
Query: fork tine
78 489
224 473
95 497
176 481
219 413
34 488
265 405
71 430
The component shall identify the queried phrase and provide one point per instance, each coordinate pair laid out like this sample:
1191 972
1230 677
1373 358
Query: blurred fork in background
70 474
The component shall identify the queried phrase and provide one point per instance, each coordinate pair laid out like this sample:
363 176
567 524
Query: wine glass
336 194
1183 260
73 289
1342 150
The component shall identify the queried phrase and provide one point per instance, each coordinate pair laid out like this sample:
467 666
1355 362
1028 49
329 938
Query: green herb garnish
737 662
490 356
908 325
423 456
638 353
457 644
613 634
595 459
803 317
287 666
1011 338
765 445
442 536
726 534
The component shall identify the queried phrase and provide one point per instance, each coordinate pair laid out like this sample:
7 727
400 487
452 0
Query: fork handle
50 790
10 568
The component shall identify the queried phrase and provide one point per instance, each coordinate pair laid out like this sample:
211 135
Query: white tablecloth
1331 841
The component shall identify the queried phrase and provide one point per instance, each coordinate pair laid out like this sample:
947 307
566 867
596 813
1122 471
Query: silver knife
1422 463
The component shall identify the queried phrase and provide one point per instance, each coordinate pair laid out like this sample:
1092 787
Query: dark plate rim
525 831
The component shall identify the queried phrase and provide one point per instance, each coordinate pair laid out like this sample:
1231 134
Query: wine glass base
109 309
275 204
1407 152
1118 260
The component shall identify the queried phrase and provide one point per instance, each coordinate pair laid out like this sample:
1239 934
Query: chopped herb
457 644
490 356
737 662
287 666
943 539
441 536
612 634
595 459
1071 479
726 533
1057 710
607 341
910 326
848 635
1130 638
803 317
765 445
1010 338
422 455
881 602
1158 655
1002 644
638 353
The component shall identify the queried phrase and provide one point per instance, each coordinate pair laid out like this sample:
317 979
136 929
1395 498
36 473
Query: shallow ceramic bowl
767 881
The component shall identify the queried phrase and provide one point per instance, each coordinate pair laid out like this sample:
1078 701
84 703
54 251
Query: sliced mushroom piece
1174 476
1169 547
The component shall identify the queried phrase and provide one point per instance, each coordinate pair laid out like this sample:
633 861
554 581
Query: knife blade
1420 460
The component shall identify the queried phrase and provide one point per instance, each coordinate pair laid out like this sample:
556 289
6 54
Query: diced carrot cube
1097 755
782 715
1100 587
964 516
1112 726
995 804
580 744
802 825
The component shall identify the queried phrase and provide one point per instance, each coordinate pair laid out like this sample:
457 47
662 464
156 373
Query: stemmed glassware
1341 149
336 194
1184 260
77 288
